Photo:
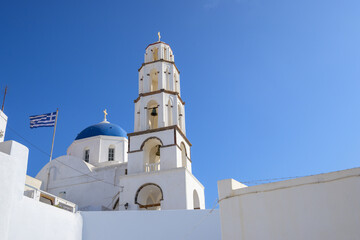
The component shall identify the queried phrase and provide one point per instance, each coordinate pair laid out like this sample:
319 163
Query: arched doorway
149 197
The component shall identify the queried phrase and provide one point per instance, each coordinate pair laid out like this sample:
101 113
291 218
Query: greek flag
43 120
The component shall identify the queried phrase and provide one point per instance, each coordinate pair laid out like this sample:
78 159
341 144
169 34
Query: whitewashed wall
36 220
25 218
324 206
159 225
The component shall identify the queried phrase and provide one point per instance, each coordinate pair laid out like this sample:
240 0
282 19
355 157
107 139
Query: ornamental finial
159 36
105 114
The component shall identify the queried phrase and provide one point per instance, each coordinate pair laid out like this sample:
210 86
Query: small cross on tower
159 36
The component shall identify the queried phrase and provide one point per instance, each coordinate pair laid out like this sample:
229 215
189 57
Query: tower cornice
160 60
175 127
159 91
156 43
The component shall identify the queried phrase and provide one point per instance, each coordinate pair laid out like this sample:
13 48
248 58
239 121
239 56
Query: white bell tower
158 148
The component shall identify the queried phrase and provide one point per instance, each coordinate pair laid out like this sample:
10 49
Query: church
108 178
150 169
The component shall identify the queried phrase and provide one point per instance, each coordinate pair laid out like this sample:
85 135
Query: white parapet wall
324 206
159 225
25 218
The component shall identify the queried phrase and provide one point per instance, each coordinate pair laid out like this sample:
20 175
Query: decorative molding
175 127
160 60
159 91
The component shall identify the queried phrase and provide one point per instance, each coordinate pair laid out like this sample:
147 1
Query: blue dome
103 128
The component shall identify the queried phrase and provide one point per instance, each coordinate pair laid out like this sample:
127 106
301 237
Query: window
111 155
87 155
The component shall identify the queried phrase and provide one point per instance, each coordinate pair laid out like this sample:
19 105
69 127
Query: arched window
141 85
167 78
111 153
196 200
170 113
180 122
137 118
154 80
177 84
152 115
86 155
165 54
183 155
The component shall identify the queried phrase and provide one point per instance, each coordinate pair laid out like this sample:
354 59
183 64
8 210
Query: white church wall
160 225
119 143
193 184
89 193
172 183
324 206
99 146
77 148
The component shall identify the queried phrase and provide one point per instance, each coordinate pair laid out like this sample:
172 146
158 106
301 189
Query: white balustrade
152 167
48 198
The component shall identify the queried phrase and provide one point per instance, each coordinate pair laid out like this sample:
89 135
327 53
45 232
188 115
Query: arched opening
154 80
155 52
137 119
111 153
149 197
183 155
180 122
165 54
141 85
177 84
167 78
196 200
152 114
152 154
170 113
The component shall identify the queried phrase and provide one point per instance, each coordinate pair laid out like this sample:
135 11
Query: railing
152 167
48 198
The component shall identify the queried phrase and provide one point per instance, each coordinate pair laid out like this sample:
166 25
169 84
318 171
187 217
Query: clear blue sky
271 87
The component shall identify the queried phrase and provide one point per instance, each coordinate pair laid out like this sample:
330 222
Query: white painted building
107 169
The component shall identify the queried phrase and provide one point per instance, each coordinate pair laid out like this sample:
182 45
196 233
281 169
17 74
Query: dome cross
105 114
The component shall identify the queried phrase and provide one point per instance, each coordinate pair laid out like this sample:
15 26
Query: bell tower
158 148
159 91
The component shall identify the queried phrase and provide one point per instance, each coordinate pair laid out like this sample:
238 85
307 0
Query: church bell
158 151
153 112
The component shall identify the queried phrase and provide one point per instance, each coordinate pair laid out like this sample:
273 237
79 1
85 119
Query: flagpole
53 139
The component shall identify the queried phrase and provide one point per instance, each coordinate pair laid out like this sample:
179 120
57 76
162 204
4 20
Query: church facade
150 169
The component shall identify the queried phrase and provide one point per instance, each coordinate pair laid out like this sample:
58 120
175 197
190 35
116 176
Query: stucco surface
324 206
160 225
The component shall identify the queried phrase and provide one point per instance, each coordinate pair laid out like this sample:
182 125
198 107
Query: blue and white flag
43 120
